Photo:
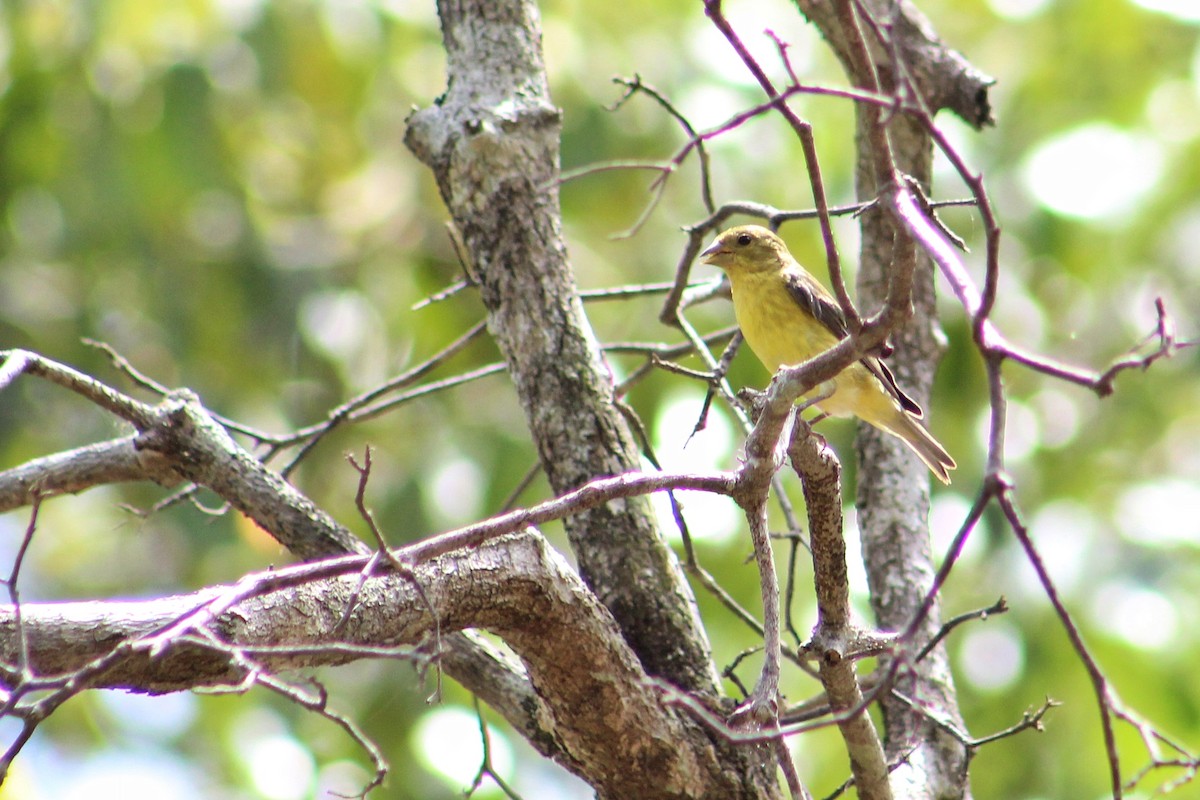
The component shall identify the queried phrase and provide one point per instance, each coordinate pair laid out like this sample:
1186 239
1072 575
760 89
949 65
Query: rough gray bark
594 711
492 142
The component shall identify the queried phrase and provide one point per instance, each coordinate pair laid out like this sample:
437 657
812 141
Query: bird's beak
713 254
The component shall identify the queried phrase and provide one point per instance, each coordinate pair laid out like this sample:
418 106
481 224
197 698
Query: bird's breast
777 329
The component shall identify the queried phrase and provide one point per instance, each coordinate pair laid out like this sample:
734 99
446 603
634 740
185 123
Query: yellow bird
787 317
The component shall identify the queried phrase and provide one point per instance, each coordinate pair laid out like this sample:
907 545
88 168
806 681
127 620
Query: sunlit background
220 191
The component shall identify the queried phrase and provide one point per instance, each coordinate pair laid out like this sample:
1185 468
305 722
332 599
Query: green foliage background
219 190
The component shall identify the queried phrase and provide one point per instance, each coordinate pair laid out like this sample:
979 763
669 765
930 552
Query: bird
788 317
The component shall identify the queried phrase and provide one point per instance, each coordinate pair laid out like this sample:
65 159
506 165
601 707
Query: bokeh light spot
280 767
1141 616
992 656
1095 171
448 742
709 517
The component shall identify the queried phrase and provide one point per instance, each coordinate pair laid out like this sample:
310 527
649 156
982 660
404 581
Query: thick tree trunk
492 142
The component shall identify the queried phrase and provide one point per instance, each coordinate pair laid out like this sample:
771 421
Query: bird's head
746 248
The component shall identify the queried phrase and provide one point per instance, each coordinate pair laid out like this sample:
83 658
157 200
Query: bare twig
636 84
486 767
1105 698
999 607
804 133
354 409
445 294
14 363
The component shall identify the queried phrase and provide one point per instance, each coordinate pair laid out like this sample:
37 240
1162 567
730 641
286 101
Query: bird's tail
921 441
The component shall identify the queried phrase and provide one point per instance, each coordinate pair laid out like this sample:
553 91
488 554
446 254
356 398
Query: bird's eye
744 239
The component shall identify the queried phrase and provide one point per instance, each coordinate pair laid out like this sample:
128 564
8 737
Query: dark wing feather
816 303
880 370
828 313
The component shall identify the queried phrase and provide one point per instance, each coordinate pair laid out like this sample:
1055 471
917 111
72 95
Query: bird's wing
885 376
813 298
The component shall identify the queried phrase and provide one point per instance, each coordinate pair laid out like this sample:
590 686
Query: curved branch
518 587
74 471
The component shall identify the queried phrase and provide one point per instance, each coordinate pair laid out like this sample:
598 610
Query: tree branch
834 639
517 587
